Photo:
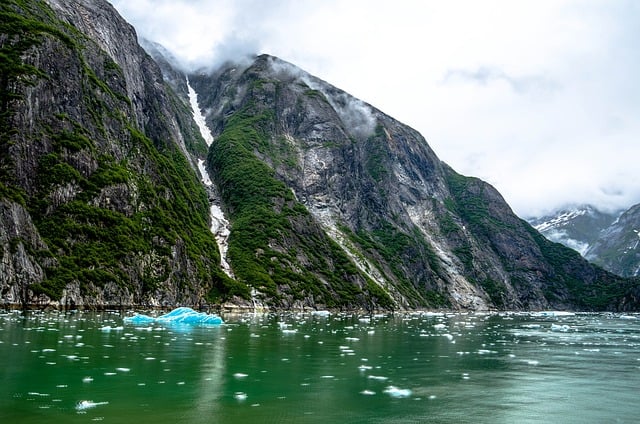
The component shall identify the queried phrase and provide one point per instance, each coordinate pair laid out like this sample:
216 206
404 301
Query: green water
417 368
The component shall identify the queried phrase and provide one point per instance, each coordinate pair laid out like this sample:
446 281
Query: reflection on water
313 368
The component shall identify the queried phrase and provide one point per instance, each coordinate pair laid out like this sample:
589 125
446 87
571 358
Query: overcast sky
539 98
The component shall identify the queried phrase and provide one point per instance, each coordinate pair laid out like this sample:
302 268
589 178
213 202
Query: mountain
617 248
414 227
576 227
609 240
317 199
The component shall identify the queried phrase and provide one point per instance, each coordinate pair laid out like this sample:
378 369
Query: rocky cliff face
618 247
100 203
331 203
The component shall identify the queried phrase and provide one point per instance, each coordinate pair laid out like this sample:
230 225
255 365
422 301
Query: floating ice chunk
396 392
240 375
563 328
123 369
181 315
88 404
87 379
240 396
552 314
378 377
321 313
439 326
367 392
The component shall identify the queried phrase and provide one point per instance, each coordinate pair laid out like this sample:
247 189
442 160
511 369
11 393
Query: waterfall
220 226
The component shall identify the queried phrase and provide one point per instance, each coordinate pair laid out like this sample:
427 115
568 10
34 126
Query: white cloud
540 98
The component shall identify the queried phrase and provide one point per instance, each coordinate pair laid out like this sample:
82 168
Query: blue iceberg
181 315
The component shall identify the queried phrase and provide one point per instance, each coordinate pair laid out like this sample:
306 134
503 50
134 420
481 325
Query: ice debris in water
181 315
88 404
396 392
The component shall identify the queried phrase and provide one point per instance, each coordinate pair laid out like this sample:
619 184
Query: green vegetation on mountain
275 245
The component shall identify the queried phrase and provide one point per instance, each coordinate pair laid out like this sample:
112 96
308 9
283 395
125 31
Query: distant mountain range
609 239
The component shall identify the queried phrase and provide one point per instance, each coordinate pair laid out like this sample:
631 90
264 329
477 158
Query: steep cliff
100 202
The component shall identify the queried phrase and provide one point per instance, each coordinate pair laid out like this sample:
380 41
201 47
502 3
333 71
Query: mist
538 98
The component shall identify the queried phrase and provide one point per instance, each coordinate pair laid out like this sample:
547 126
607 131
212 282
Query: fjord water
407 368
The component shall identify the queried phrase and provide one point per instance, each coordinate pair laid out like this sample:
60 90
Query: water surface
410 368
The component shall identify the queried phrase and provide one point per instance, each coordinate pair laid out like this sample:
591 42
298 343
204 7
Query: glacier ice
182 315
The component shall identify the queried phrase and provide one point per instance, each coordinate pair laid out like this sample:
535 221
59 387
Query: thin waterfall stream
220 226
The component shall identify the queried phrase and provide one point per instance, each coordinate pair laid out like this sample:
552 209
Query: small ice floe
368 392
439 326
377 377
352 339
240 396
560 327
321 313
396 392
240 375
88 404
87 379
108 328
121 369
